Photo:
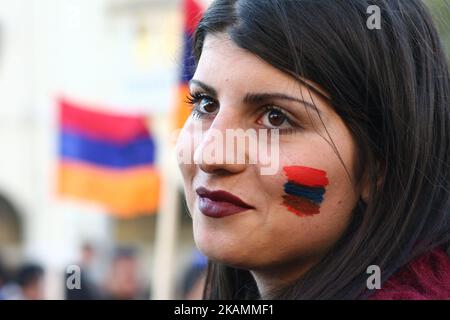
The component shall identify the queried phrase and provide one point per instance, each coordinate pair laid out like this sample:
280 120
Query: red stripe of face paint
301 207
306 176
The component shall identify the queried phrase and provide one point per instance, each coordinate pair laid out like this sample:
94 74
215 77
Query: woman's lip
222 196
218 204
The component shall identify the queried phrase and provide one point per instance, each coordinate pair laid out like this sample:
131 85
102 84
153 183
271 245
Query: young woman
363 183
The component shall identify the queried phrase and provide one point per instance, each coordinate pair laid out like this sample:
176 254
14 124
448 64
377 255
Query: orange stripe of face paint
300 206
306 176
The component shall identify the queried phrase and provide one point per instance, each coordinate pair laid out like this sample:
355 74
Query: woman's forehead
222 59
224 64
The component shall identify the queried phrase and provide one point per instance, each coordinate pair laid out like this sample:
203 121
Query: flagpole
163 275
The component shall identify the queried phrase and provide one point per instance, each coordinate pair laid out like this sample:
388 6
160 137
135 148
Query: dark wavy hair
391 86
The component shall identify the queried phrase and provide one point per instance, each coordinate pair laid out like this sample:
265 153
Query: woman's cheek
185 148
185 156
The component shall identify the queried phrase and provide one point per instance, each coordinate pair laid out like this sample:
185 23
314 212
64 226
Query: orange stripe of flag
125 192
183 109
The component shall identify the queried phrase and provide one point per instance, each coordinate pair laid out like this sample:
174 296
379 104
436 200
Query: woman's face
282 225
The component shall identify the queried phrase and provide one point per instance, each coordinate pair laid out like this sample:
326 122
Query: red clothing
426 278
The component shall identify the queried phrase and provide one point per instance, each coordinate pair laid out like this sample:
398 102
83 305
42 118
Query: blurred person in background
194 278
89 289
123 282
28 285
30 280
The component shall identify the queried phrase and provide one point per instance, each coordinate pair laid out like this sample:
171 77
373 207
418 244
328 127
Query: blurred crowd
122 280
26 283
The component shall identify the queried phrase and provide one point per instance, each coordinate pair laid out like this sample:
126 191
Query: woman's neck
270 280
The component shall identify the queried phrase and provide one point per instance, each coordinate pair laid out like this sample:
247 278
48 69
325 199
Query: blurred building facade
121 54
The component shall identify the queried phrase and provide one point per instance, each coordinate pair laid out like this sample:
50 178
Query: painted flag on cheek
108 159
304 190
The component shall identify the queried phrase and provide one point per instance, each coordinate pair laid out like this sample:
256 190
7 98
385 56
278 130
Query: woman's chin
226 253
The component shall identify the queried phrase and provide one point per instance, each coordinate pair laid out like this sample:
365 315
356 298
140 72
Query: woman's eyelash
192 98
195 98
285 131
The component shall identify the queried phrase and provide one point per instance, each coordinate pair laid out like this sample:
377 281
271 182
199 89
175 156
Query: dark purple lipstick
219 204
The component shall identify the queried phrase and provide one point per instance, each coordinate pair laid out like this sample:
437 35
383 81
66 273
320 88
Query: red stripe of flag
99 125
193 13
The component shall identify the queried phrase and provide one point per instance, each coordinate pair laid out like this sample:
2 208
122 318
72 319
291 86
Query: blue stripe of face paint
313 194
318 190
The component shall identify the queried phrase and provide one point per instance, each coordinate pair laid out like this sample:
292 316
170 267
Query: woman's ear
365 190
366 185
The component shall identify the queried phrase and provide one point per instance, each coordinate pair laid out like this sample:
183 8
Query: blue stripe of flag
313 194
188 58
75 146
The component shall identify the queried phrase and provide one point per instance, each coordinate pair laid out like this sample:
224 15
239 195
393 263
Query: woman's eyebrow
208 89
262 97
252 98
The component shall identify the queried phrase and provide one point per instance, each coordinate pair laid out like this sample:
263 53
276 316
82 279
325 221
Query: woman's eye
202 105
274 118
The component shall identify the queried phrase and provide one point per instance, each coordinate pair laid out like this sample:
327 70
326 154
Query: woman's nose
222 149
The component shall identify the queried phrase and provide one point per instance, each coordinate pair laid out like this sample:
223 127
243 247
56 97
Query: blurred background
91 93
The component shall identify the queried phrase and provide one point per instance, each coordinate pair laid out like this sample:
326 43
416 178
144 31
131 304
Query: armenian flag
193 10
107 158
